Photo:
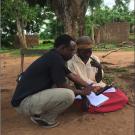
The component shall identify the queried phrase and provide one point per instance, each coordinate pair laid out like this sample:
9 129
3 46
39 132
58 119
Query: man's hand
87 90
96 88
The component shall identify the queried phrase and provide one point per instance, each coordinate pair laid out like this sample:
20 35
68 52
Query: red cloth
117 100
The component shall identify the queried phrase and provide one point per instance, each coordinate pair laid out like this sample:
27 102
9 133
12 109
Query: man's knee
69 96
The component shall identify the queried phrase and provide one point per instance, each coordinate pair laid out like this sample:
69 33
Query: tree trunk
82 8
92 27
81 26
67 21
20 34
93 34
74 29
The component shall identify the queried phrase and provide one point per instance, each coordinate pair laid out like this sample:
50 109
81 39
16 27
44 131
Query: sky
110 3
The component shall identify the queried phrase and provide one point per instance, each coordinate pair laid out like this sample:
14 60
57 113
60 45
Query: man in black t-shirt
34 95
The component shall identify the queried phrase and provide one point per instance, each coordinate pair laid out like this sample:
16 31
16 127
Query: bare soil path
72 121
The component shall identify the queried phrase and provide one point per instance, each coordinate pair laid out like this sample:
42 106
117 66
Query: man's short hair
63 40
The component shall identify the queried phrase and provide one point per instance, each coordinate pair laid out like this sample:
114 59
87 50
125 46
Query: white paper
112 89
94 99
97 100
78 97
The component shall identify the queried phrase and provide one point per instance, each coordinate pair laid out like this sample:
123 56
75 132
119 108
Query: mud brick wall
31 40
112 32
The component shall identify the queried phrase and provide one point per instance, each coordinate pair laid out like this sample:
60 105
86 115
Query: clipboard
103 89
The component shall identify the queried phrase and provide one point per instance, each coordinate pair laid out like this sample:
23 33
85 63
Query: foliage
95 4
27 15
107 15
35 16
70 12
52 30
18 8
36 24
121 5
8 31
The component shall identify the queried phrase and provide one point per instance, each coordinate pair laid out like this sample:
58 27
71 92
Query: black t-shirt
46 71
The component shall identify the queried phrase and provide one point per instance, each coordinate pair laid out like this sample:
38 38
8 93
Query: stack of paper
97 100
112 89
94 99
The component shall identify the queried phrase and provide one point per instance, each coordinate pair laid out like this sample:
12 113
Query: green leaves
21 9
26 14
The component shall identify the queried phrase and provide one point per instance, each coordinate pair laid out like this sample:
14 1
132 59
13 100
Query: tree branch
114 51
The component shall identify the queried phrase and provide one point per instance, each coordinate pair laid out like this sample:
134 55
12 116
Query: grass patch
119 70
113 46
41 41
48 46
132 48
43 46
108 79
16 52
115 70
10 51
104 47
131 37
116 76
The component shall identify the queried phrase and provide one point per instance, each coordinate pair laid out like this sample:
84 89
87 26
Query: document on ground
97 100
112 89
94 99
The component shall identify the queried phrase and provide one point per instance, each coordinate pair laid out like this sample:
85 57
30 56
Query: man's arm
85 91
59 71
98 75
76 79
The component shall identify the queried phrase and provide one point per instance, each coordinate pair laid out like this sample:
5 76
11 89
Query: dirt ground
73 122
